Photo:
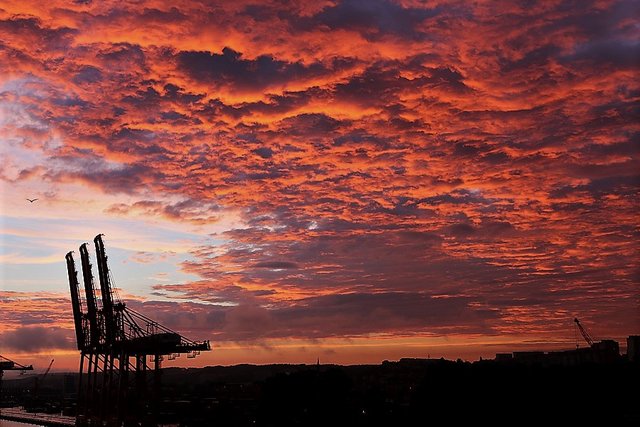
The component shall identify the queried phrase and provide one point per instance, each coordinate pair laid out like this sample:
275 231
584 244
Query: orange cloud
380 155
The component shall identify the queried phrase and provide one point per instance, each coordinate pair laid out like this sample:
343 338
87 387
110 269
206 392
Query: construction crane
47 371
10 365
584 334
39 381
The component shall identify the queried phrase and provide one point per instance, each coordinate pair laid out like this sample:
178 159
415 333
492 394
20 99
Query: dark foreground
405 393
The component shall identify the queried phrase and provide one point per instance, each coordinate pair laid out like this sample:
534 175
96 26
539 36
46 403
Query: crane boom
584 332
39 381
47 371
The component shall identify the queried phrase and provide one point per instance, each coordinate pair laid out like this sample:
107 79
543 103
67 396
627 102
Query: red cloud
479 163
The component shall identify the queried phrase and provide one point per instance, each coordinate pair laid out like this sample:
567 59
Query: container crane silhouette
115 344
9 365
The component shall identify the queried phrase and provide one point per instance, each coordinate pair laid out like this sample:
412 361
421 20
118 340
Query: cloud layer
399 168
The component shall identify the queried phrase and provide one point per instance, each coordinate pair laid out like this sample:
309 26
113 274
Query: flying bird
32 200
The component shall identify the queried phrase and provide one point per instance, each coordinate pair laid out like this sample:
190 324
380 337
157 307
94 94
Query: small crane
38 381
584 333
48 369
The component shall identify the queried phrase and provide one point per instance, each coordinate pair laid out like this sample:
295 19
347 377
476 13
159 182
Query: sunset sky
352 181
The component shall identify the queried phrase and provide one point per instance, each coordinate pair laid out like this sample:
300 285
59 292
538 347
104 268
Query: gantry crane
10 365
115 342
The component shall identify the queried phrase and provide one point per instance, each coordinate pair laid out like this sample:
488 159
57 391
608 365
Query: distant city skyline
350 180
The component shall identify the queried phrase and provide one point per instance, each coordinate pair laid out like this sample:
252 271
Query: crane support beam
106 291
76 302
92 305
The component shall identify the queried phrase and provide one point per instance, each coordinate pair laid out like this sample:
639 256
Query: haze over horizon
350 180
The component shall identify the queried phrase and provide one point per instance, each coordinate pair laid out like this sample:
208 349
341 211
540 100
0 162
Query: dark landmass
404 393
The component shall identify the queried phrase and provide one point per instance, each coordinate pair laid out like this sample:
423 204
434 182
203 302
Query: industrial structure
598 351
633 348
121 350
604 351
36 404
10 365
